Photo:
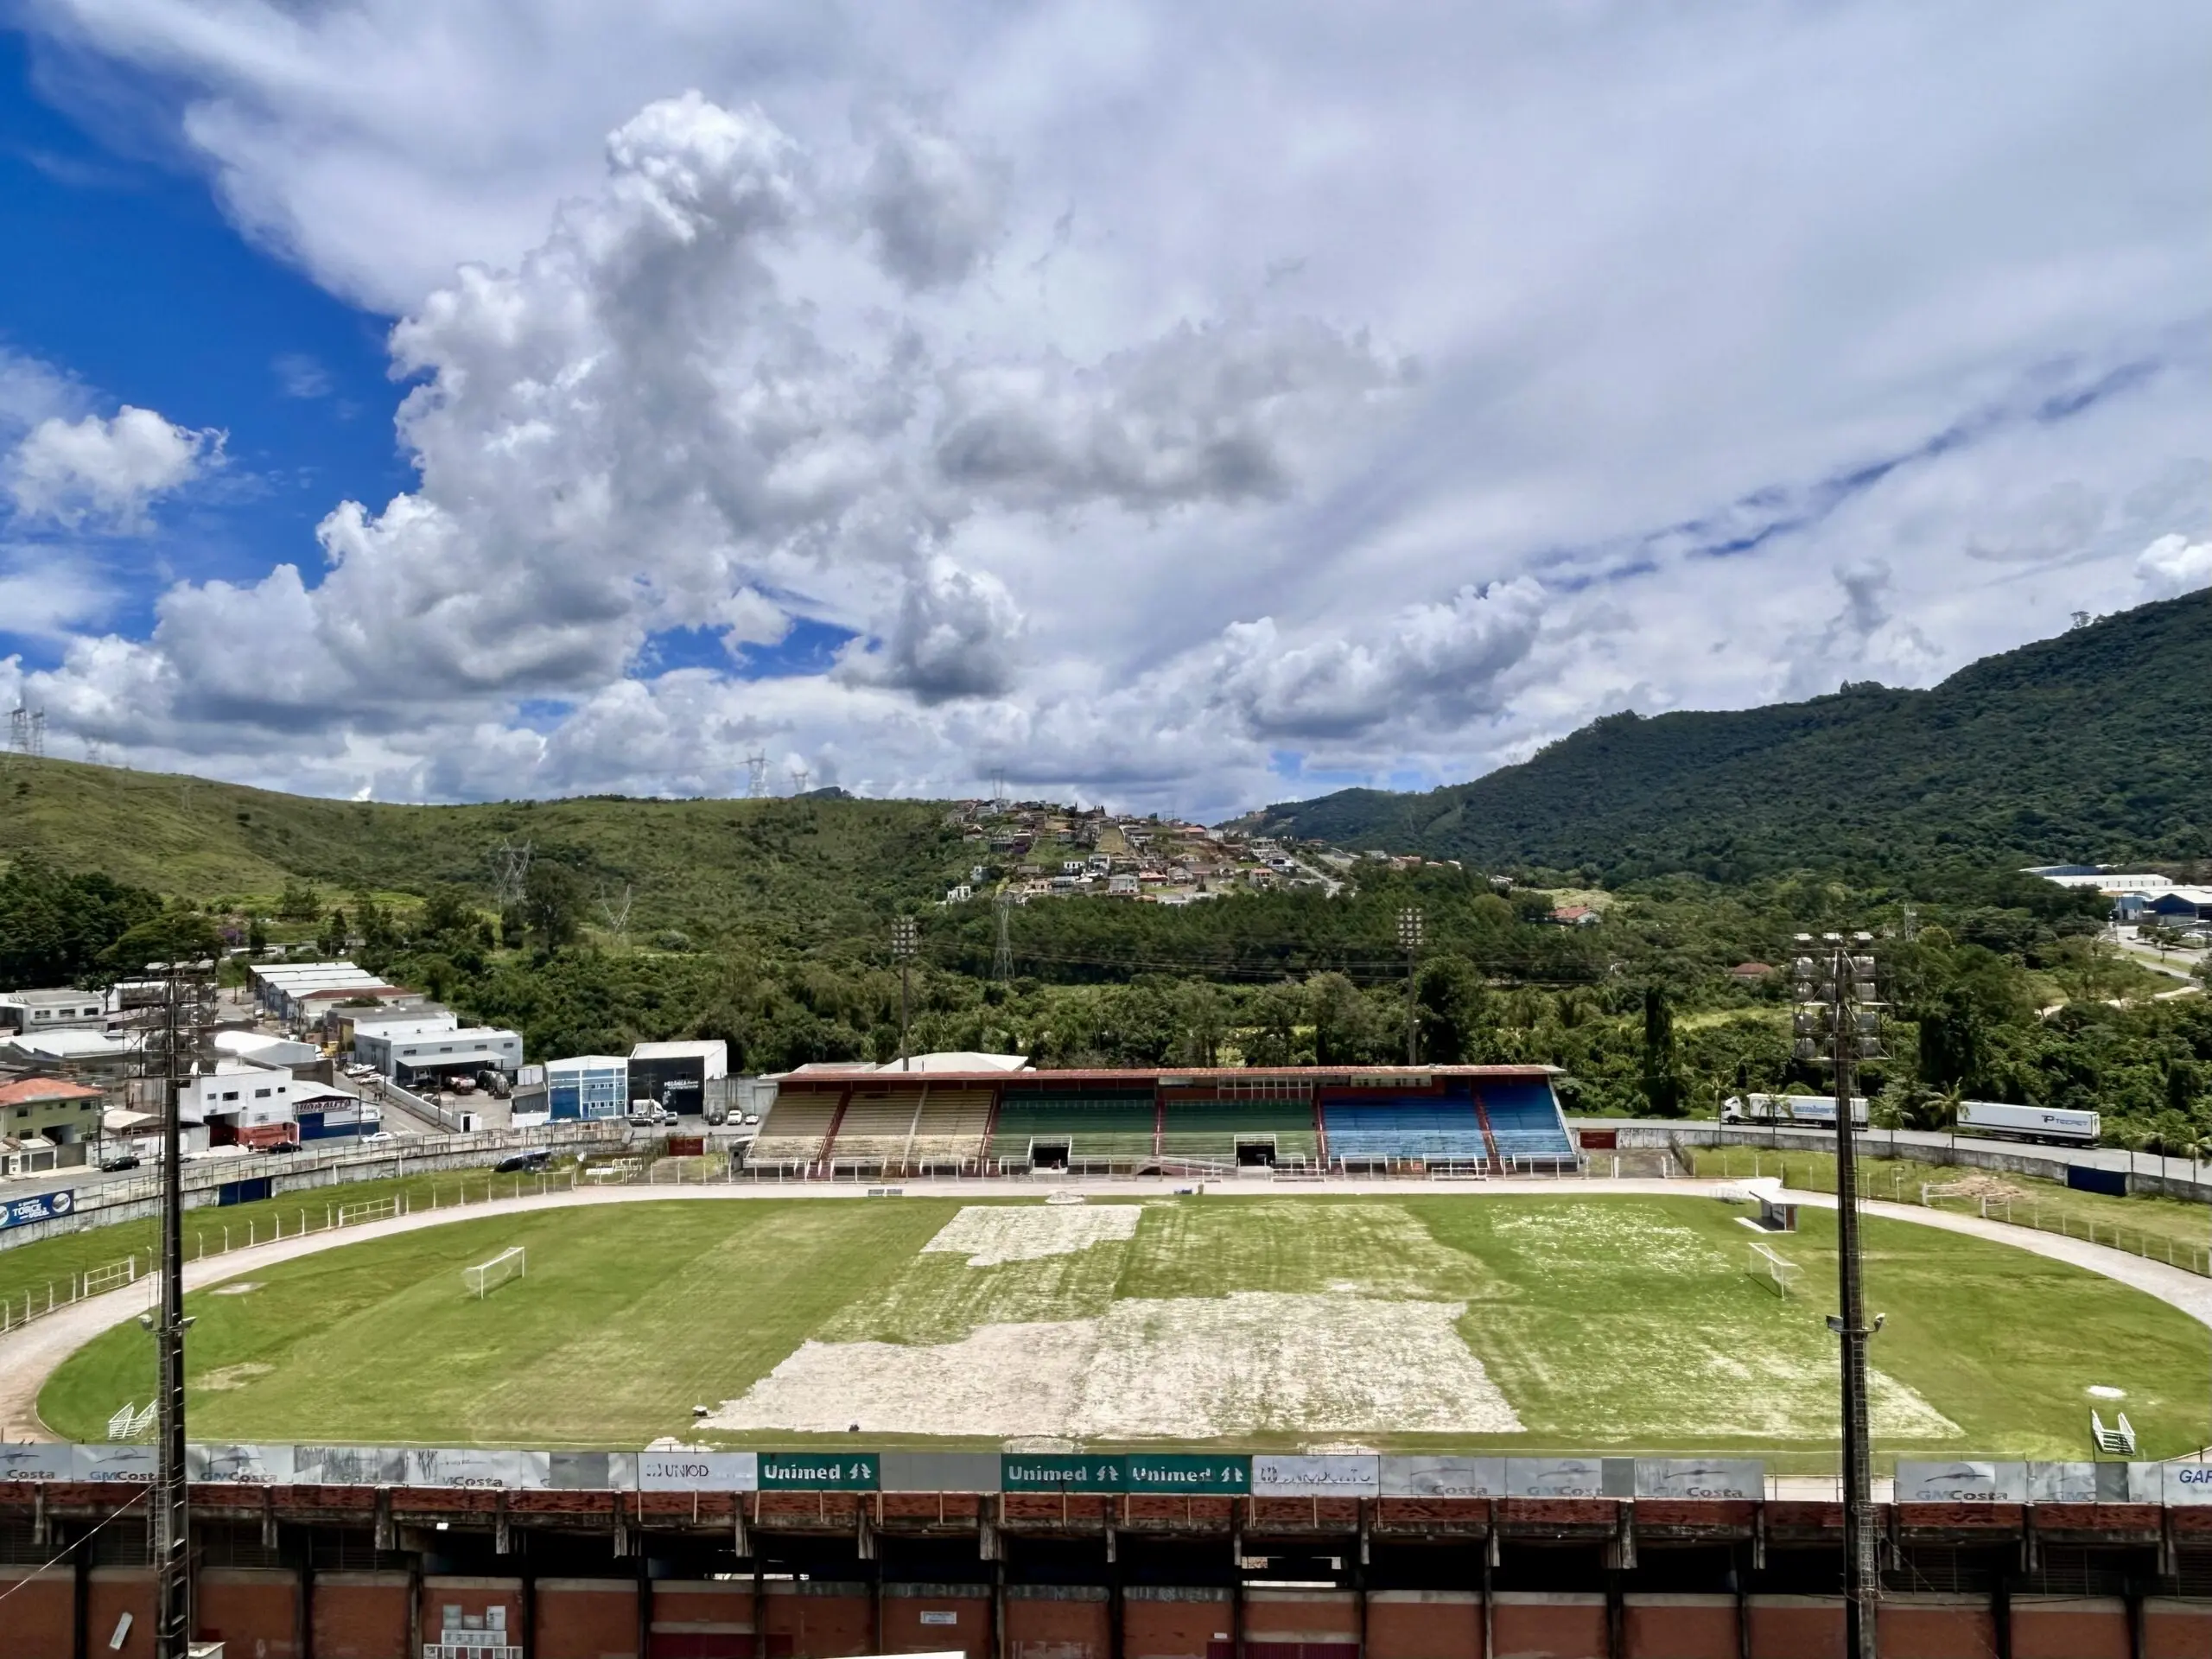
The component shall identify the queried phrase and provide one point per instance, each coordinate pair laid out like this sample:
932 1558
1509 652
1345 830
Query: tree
1450 1000
1664 1088
300 902
173 936
56 928
256 936
331 940
1951 1041
552 904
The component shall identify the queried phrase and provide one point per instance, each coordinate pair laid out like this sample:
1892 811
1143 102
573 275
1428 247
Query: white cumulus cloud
2173 566
105 472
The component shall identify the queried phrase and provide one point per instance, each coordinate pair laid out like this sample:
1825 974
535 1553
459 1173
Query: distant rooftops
38 1091
958 1062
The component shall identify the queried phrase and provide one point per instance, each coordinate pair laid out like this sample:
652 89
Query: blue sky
1158 406
130 282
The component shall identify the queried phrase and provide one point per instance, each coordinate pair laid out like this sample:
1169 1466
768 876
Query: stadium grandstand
872 1121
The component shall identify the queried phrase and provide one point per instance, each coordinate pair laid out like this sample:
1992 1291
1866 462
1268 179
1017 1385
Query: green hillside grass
2093 746
792 872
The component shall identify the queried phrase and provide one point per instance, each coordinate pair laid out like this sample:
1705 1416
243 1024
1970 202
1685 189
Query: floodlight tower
1839 1011
1409 930
179 1023
902 947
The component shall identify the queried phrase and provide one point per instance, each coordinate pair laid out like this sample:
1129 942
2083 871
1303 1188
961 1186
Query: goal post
351 1215
1773 1270
488 1276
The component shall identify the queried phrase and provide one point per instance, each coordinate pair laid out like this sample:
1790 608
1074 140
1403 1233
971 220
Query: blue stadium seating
1424 1128
1524 1120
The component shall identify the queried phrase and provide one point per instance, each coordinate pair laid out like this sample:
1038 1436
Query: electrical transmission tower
27 733
799 775
756 775
998 787
618 917
510 868
1002 957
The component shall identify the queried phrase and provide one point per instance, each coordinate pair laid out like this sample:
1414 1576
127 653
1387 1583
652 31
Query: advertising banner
134 1464
1961 1482
698 1471
349 1466
820 1471
1054 1471
2188 1483
941 1471
2062 1482
1340 1476
1421 1475
477 1466
1153 1472
39 1206
43 1461
1555 1477
1711 1478
240 1465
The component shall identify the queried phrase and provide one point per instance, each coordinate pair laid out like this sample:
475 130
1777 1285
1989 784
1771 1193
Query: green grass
47 1267
1609 1323
2162 1229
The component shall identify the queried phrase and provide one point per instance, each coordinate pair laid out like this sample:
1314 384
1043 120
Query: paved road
29 1355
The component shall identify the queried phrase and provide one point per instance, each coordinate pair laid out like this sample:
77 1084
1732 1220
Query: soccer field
1574 1323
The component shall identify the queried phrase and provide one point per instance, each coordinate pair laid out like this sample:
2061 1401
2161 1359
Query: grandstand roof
833 1074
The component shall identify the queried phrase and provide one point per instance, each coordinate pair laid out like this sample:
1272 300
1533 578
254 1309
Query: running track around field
29 1354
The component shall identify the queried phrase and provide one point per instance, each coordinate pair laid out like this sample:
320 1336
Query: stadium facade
920 1561
834 1121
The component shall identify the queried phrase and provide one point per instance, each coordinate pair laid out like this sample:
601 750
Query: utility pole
756 775
902 947
1837 999
182 1014
1409 926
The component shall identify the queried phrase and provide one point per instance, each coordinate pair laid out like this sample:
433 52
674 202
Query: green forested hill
2095 746
785 872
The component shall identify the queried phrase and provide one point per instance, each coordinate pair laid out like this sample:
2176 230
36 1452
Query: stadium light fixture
1409 934
903 934
1837 1022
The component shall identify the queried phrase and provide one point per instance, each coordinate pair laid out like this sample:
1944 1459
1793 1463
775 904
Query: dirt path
29 1354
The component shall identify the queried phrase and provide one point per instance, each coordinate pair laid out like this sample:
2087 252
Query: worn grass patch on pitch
1592 1322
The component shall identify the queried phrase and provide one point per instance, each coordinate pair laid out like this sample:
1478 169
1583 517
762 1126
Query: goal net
1772 1271
488 1276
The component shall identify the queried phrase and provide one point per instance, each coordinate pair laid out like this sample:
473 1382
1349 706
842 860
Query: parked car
282 1146
380 1135
121 1161
516 1162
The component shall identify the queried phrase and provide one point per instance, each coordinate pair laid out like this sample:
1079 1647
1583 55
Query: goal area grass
1529 1324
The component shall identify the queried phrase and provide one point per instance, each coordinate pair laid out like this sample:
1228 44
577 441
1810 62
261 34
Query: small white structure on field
488 1276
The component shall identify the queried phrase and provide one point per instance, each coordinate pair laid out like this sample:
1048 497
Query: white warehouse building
410 1051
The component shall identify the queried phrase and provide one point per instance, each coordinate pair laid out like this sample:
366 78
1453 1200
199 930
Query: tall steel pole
902 946
1409 925
1850 1013
172 1520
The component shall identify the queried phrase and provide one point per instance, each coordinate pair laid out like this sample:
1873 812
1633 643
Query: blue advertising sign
40 1206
